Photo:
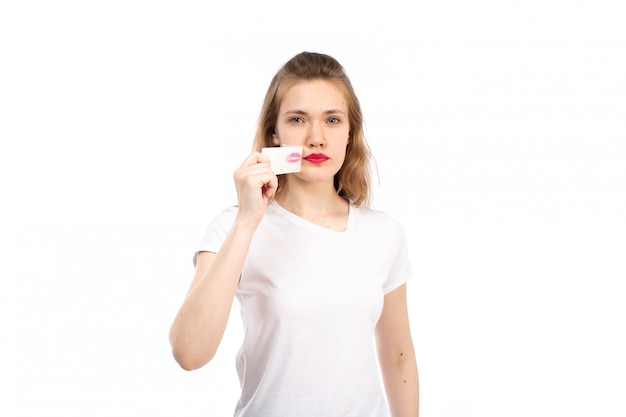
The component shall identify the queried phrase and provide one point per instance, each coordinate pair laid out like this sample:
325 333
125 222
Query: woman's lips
316 158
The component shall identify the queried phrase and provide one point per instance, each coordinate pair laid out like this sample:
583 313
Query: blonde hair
352 182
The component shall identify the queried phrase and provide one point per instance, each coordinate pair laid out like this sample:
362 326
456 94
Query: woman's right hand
256 183
200 323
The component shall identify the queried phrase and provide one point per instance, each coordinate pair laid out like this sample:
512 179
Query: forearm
200 323
402 386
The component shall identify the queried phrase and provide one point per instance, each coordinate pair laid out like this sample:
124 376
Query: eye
333 120
296 120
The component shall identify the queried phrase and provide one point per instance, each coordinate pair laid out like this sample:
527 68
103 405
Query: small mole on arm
405 381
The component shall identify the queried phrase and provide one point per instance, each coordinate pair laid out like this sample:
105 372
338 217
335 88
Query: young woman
318 276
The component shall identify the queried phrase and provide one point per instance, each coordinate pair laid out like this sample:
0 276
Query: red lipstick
316 158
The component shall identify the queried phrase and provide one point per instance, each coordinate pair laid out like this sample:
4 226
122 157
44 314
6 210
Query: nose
315 136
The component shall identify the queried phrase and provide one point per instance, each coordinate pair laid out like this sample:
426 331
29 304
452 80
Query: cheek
289 132
342 138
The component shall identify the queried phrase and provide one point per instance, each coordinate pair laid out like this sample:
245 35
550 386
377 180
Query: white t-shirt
310 299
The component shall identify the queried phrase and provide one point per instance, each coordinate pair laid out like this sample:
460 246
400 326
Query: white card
284 159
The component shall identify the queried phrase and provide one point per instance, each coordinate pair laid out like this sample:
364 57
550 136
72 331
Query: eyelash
330 120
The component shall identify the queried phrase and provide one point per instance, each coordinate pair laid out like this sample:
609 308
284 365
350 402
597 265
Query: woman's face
314 114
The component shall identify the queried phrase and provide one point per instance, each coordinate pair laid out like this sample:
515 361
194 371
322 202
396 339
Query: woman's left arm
397 356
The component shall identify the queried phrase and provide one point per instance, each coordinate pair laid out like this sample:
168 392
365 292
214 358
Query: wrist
244 224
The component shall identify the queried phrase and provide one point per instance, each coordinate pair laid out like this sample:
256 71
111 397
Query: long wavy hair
352 182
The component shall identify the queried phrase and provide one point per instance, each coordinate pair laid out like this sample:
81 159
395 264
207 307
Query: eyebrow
303 113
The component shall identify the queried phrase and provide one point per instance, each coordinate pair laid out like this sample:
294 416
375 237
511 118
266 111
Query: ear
275 139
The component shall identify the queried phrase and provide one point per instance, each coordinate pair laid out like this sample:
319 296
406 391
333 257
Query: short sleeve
216 232
400 270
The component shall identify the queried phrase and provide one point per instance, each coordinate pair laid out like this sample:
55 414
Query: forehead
314 94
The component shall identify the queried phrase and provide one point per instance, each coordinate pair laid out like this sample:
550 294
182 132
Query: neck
311 200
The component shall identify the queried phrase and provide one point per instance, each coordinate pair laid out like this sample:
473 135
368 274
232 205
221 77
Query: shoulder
224 220
369 217
216 231
375 215
228 213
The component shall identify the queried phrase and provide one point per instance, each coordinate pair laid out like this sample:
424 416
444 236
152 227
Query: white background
499 132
